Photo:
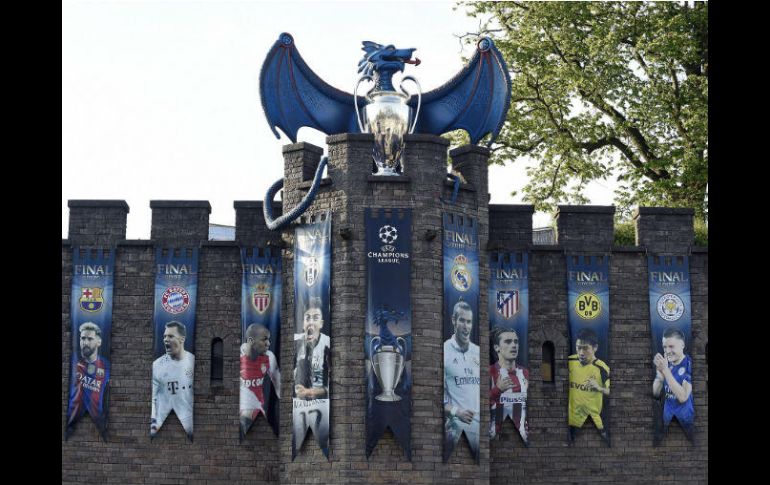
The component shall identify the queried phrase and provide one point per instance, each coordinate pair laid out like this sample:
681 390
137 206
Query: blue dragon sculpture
381 318
475 100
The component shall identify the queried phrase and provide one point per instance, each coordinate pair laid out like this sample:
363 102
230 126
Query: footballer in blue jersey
674 379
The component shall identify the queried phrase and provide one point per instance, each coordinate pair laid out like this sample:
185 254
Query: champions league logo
670 307
91 299
175 300
388 234
461 277
311 270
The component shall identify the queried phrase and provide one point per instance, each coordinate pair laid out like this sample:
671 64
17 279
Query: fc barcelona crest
508 303
261 298
91 299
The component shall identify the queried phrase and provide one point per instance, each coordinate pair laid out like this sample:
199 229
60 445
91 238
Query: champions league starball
388 234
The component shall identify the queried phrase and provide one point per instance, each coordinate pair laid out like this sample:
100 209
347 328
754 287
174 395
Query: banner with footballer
91 316
173 371
588 310
462 358
312 337
508 331
260 371
388 327
671 329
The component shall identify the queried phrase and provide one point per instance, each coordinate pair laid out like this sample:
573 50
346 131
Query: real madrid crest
461 276
670 307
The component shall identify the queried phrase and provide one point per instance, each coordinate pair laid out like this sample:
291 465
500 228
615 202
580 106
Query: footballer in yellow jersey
589 382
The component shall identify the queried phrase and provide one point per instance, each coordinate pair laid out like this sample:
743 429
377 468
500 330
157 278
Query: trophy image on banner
387 353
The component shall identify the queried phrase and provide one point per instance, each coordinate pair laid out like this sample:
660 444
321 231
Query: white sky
160 100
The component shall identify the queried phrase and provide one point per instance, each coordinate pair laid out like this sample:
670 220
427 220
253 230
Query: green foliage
701 233
625 233
606 90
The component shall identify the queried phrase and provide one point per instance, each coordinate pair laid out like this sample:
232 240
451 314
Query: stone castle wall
216 455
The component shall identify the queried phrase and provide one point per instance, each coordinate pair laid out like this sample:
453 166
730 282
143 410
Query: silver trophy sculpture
387 117
388 365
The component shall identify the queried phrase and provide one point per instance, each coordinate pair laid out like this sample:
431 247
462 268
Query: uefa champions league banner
508 331
462 358
312 337
173 371
260 337
91 315
588 311
671 329
388 330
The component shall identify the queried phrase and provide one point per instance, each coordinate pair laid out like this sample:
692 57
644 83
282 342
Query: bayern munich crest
461 277
261 298
508 303
670 307
91 299
175 300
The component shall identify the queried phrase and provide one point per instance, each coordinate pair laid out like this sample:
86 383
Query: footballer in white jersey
462 385
172 389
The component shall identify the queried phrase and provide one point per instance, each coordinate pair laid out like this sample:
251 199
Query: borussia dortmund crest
91 299
260 298
588 306
461 276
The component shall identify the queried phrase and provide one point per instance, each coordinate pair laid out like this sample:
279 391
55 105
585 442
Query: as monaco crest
508 303
261 298
91 299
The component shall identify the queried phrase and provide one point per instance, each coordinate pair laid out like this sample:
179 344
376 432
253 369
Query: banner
91 316
508 331
462 361
671 328
588 311
312 337
260 337
388 328
173 371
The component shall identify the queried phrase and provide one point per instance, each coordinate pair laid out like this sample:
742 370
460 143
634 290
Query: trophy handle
355 101
403 361
419 98
371 354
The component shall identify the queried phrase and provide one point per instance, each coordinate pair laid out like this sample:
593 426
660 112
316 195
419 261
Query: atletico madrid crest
91 299
508 303
261 298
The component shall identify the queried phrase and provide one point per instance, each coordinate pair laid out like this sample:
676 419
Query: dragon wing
475 100
294 96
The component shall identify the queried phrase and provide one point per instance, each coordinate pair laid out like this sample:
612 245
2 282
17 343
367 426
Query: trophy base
388 397
387 173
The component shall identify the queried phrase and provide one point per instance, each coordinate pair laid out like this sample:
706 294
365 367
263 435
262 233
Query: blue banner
260 348
508 332
671 329
173 371
588 311
462 358
388 330
312 337
91 316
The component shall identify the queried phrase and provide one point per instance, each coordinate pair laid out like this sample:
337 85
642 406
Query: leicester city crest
670 307
91 299
260 298
508 303
312 268
461 276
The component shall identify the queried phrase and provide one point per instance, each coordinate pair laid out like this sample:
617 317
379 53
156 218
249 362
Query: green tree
605 90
